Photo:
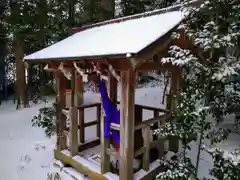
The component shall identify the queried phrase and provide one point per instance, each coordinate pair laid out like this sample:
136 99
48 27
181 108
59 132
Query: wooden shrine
136 140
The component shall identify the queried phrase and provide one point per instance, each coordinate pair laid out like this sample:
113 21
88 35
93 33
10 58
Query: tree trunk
20 74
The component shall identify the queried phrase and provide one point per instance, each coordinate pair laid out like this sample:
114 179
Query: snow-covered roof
122 38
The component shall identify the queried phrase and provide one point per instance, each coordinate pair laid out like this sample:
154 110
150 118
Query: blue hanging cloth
112 115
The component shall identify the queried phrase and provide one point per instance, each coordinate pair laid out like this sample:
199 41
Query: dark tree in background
2 49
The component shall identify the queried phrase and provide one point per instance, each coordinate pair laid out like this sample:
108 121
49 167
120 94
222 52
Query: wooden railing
158 120
77 122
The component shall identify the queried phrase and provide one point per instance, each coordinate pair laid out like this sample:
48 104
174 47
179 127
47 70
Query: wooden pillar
146 155
73 119
73 131
61 118
160 139
99 120
173 141
79 89
105 158
81 124
113 88
127 106
73 88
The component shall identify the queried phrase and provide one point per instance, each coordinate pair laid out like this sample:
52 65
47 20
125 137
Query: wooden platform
88 165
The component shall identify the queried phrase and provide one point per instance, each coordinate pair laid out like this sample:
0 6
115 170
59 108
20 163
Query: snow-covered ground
27 154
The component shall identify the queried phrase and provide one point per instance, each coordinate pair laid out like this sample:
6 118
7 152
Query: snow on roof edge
79 57
38 56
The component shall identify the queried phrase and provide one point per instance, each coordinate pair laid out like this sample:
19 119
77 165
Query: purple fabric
112 114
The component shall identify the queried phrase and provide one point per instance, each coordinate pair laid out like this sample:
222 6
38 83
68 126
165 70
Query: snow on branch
178 56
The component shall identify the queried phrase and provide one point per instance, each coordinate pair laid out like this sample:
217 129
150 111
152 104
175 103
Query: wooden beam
113 72
88 145
48 69
173 141
120 64
150 65
79 89
147 53
73 87
113 83
81 124
105 158
66 71
146 155
161 143
152 121
61 118
78 69
127 116
82 168
73 131
99 120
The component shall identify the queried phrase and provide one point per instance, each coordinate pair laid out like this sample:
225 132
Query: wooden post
161 142
138 138
79 90
73 131
81 124
146 155
105 158
61 118
173 141
98 120
113 88
73 88
127 106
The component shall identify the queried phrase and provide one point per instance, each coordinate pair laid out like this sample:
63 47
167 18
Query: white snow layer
129 36
25 152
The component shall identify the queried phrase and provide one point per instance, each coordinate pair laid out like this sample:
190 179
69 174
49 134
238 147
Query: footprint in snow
39 147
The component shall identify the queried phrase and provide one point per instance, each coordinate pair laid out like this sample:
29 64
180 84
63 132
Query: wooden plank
88 105
113 88
81 124
61 103
88 145
154 48
92 123
152 121
73 87
137 153
99 120
81 168
127 117
105 158
79 90
146 155
161 140
138 137
152 108
152 65
73 131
